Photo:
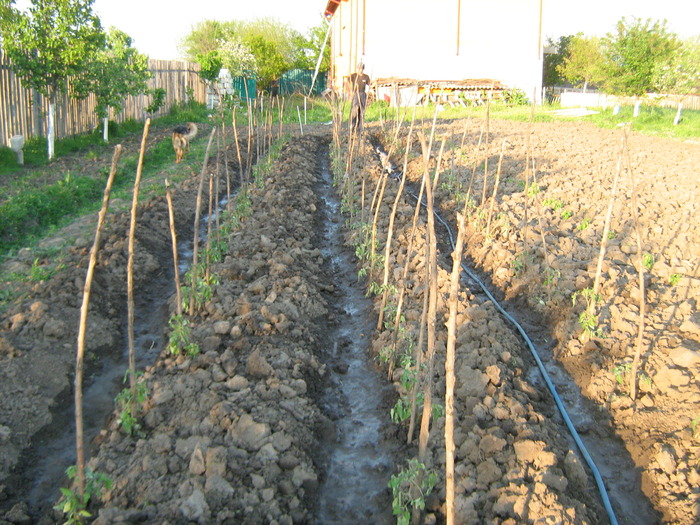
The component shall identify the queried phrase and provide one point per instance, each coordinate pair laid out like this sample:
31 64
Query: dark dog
181 139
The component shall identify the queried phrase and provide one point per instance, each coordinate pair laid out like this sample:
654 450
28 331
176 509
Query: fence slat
22 110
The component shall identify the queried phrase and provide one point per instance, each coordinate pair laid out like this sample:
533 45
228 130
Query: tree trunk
51 132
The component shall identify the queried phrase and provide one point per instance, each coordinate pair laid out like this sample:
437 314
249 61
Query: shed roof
331 6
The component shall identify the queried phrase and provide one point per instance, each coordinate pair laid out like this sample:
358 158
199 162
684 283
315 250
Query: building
448 45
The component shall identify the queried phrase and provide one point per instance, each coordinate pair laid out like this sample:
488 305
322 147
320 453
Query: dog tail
191 131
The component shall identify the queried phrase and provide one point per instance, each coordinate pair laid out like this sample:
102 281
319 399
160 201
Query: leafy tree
584 63
681 73
552 61
52 41
237 58
210 63
310 46
204 38
116 71
269 58
634 53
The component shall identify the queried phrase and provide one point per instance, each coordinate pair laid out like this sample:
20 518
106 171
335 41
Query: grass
34 208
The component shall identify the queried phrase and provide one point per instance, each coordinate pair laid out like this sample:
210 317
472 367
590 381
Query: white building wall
426 40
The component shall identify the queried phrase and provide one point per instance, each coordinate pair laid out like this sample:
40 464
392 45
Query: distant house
450 45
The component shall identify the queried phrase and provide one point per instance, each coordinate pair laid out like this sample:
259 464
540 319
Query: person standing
358 87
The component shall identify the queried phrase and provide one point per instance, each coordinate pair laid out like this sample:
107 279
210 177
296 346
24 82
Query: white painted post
637 105
678 114
17 143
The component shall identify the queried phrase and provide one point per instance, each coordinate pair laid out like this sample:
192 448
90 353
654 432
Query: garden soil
234 434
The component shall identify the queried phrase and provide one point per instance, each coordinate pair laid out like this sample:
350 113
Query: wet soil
261 423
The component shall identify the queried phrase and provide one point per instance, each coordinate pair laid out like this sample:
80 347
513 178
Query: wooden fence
23 110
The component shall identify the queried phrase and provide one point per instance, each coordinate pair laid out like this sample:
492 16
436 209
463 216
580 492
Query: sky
157 26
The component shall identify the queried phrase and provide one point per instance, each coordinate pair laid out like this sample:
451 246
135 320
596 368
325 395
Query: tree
584 63
681 73
204 38
237 58
271 63
50 43
552 61
634 53
116 71
310 46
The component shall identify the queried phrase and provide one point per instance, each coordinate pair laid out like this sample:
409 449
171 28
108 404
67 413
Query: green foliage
554 204
157 101
675 278
401 411
681 73
33 210
48 44
73 505
584 224
515 97
409 489
533 189
51 42
634 54
648 261
621 371
180 337
200 287
552 61
566 214
129 405
518 264
210 64
587 319
584 63
116 71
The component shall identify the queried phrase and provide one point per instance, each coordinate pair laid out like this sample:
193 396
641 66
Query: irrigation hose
560 405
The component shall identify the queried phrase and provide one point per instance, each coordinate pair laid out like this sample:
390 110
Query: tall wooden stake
80 353
130 267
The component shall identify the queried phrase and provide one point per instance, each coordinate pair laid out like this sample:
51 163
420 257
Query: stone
684 357
222 327
19 514
257 366
197 465
527 450
494 374
218 488
237 383
487 472
249 434
574 469
216 461
195 508
302 477
666 461
490 444
281 441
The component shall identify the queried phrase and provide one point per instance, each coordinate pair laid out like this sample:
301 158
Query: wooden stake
195 247
173 236
130 268
450 374
82 328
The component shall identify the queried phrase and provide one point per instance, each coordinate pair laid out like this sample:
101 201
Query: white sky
157 26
